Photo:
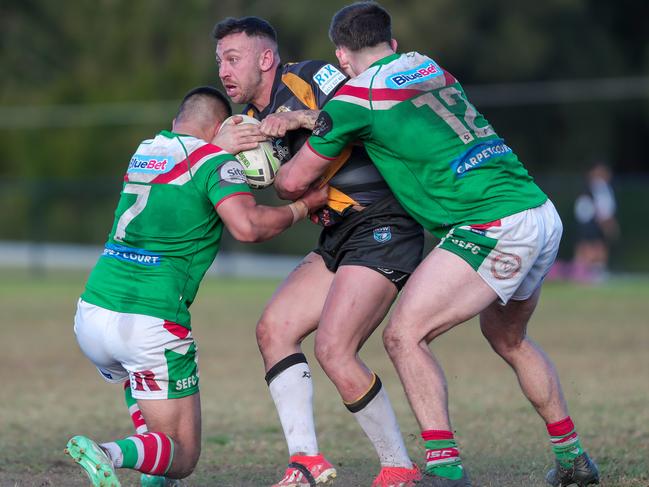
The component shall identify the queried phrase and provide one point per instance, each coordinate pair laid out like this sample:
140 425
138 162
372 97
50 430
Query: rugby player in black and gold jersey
343 289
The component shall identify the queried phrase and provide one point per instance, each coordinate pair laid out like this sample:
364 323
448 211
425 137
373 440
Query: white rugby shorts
512 255
157 356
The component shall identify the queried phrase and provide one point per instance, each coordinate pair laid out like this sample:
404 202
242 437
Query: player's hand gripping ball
260 164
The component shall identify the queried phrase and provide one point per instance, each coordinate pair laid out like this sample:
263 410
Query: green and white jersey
441 158
166 231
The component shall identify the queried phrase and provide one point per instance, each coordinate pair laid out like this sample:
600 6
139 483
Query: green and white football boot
94 461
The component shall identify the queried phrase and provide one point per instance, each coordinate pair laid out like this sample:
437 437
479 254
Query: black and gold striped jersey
353 178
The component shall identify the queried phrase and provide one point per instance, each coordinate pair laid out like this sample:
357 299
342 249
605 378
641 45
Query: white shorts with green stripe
514 254
157 356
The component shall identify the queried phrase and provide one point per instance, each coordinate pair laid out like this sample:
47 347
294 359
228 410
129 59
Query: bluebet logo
478 155
130 254
421 73
150 164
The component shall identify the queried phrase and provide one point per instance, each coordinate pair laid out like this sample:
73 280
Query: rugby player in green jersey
367 249
133 319
499 232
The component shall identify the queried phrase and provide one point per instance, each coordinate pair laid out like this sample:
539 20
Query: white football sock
292 392
380 425
114 452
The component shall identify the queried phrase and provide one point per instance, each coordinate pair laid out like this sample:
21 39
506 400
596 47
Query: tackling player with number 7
133 320
499 232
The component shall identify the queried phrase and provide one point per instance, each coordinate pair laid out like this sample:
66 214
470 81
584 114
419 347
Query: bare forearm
265 222
308 118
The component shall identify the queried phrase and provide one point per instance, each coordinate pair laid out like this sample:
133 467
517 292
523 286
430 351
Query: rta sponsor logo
416 75
140 163
470 246
505 266
186 383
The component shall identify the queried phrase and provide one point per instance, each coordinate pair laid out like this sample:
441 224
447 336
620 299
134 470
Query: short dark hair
252 26
204 102
360 25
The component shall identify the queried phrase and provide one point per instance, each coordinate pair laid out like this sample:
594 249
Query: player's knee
267 330
504 345
184 463
394 341
328 353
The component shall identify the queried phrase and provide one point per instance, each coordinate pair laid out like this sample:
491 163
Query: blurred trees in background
143 55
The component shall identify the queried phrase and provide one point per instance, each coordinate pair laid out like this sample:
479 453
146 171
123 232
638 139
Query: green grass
597 336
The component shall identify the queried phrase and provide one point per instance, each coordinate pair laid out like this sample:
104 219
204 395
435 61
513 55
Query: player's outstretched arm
295 177
249 222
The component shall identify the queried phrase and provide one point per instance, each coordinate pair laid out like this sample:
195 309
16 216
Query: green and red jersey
166 231
441 158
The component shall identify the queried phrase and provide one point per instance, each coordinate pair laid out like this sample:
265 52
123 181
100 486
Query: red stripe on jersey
181 167
436 435
486 226
230 196
176 329
561 428
378 94
317 153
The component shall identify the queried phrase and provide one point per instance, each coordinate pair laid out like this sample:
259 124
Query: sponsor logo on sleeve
323 125
232 172
150 164
131 254
327 78
421 73
478 155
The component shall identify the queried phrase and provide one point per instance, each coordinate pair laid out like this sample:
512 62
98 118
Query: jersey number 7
141 193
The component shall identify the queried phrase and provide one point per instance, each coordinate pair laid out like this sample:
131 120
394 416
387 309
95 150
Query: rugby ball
260 164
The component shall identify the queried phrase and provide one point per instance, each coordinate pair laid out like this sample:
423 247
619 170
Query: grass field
597 336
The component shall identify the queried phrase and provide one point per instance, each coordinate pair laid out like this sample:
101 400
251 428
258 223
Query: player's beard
249 91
